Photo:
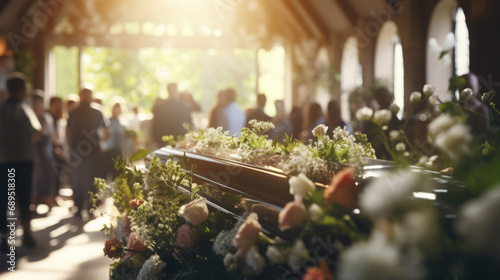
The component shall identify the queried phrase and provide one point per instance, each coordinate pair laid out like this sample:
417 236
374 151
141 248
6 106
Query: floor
67 248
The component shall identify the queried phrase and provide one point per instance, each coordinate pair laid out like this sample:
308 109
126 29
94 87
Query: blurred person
334 118
187 97
314 118
57 126
233 118
19 126
170 116
297 120
258 113
44 177
215 116
7 65
115 141
71 103
282 125
83 133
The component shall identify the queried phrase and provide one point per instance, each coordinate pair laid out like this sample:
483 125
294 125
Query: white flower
315 212
382 117
395 108
390 190
320 130
433 100
394 135
423 159
455 141
440 124
364 114
479 223
275 256
400 147
415 97
298 253
151 268
417 227
379 259
255 261
466 93
428 90
301 185
195 212
229 259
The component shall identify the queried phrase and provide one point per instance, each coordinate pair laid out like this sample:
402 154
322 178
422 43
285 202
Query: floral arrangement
317 159
405 223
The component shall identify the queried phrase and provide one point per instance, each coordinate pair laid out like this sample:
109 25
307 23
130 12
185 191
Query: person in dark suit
170 116
258 113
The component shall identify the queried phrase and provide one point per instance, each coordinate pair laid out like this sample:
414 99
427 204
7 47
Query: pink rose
126 226
195 212
247 235
135 245
342 189
292 215
186 238
135 203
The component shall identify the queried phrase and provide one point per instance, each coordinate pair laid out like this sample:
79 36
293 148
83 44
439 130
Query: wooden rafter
348 11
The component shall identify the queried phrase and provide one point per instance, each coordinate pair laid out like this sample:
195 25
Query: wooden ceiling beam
348 10
316 19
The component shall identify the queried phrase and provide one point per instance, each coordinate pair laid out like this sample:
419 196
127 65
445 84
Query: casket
265 190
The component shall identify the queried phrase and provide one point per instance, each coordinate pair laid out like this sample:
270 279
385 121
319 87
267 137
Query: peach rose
292 215
247 235
195 212
342 189
135 203
135 246
321 272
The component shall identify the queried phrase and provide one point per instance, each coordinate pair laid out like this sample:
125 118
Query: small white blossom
440 124
298 253
151 268
395 108
379 259
301 185
466 93
433 100
275 256
479 223
255 261
320 130
394 135
389 190
364 114
382 117
229 259
315 212
415 97
417 227
400 147
428 90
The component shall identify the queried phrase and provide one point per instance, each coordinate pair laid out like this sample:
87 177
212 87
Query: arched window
351 74
448 48
389 62
462 56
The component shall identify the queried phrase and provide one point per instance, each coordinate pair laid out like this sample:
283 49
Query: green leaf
140 154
